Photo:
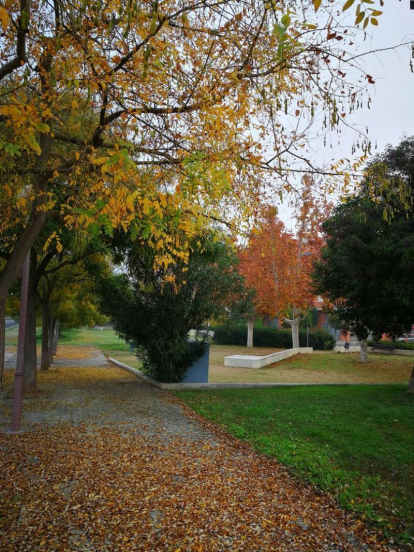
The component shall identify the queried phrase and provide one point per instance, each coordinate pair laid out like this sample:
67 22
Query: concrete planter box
196 374
251 361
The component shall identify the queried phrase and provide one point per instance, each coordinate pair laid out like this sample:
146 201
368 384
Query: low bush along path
108 462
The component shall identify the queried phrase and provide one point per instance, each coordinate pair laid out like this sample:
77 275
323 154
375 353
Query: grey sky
392 109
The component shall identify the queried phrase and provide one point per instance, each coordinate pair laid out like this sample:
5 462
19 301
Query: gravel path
96 358
107 462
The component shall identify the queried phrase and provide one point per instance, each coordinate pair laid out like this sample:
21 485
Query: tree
55 248
271 265
68 297
154 105
268 264
277 264
368 261
156 308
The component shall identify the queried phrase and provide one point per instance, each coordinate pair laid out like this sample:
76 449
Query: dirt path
108 462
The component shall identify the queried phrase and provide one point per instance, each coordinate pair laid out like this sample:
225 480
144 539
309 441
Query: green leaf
285 20
374 21
279 31
13 149
359 18
43 127
33 143
348 4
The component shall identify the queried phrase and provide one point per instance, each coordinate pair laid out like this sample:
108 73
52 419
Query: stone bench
251 361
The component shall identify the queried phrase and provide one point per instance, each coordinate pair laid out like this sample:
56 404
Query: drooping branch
22 31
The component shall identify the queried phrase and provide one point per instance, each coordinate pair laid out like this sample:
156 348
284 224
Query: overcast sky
392 109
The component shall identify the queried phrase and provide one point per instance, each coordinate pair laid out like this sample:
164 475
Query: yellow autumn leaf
4 19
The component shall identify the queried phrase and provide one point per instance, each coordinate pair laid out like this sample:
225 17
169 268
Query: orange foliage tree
277 264
270 265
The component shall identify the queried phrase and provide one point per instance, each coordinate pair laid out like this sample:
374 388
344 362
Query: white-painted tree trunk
250 326
364 350
294 324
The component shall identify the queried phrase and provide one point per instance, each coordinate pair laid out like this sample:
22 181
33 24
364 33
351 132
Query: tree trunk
411 383
250 327
14 265
294 324
364 350
45 362
56 337
30 357
51 330
2 339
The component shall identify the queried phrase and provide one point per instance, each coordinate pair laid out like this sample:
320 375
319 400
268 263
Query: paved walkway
96 358
108 462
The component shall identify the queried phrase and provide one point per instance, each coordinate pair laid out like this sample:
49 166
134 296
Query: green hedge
236 334
406 345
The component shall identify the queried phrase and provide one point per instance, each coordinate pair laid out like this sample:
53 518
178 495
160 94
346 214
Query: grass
106 340
324 367
11 336
356 442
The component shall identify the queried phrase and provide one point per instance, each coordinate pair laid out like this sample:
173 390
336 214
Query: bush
318 339
156 308
236 334
405 345
169 360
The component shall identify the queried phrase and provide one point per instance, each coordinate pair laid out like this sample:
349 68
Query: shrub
236 334
405 345
167 360
156 307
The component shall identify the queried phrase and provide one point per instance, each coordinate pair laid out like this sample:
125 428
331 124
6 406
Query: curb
136 372
183 386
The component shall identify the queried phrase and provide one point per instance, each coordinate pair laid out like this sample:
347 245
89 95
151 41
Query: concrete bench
251 361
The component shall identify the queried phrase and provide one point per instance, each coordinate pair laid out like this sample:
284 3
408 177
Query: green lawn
356 442
319 367
107 340
11 336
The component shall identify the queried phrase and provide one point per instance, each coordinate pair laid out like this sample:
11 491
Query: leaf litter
141 471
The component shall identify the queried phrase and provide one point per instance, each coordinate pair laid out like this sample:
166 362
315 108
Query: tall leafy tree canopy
366 269
174 110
